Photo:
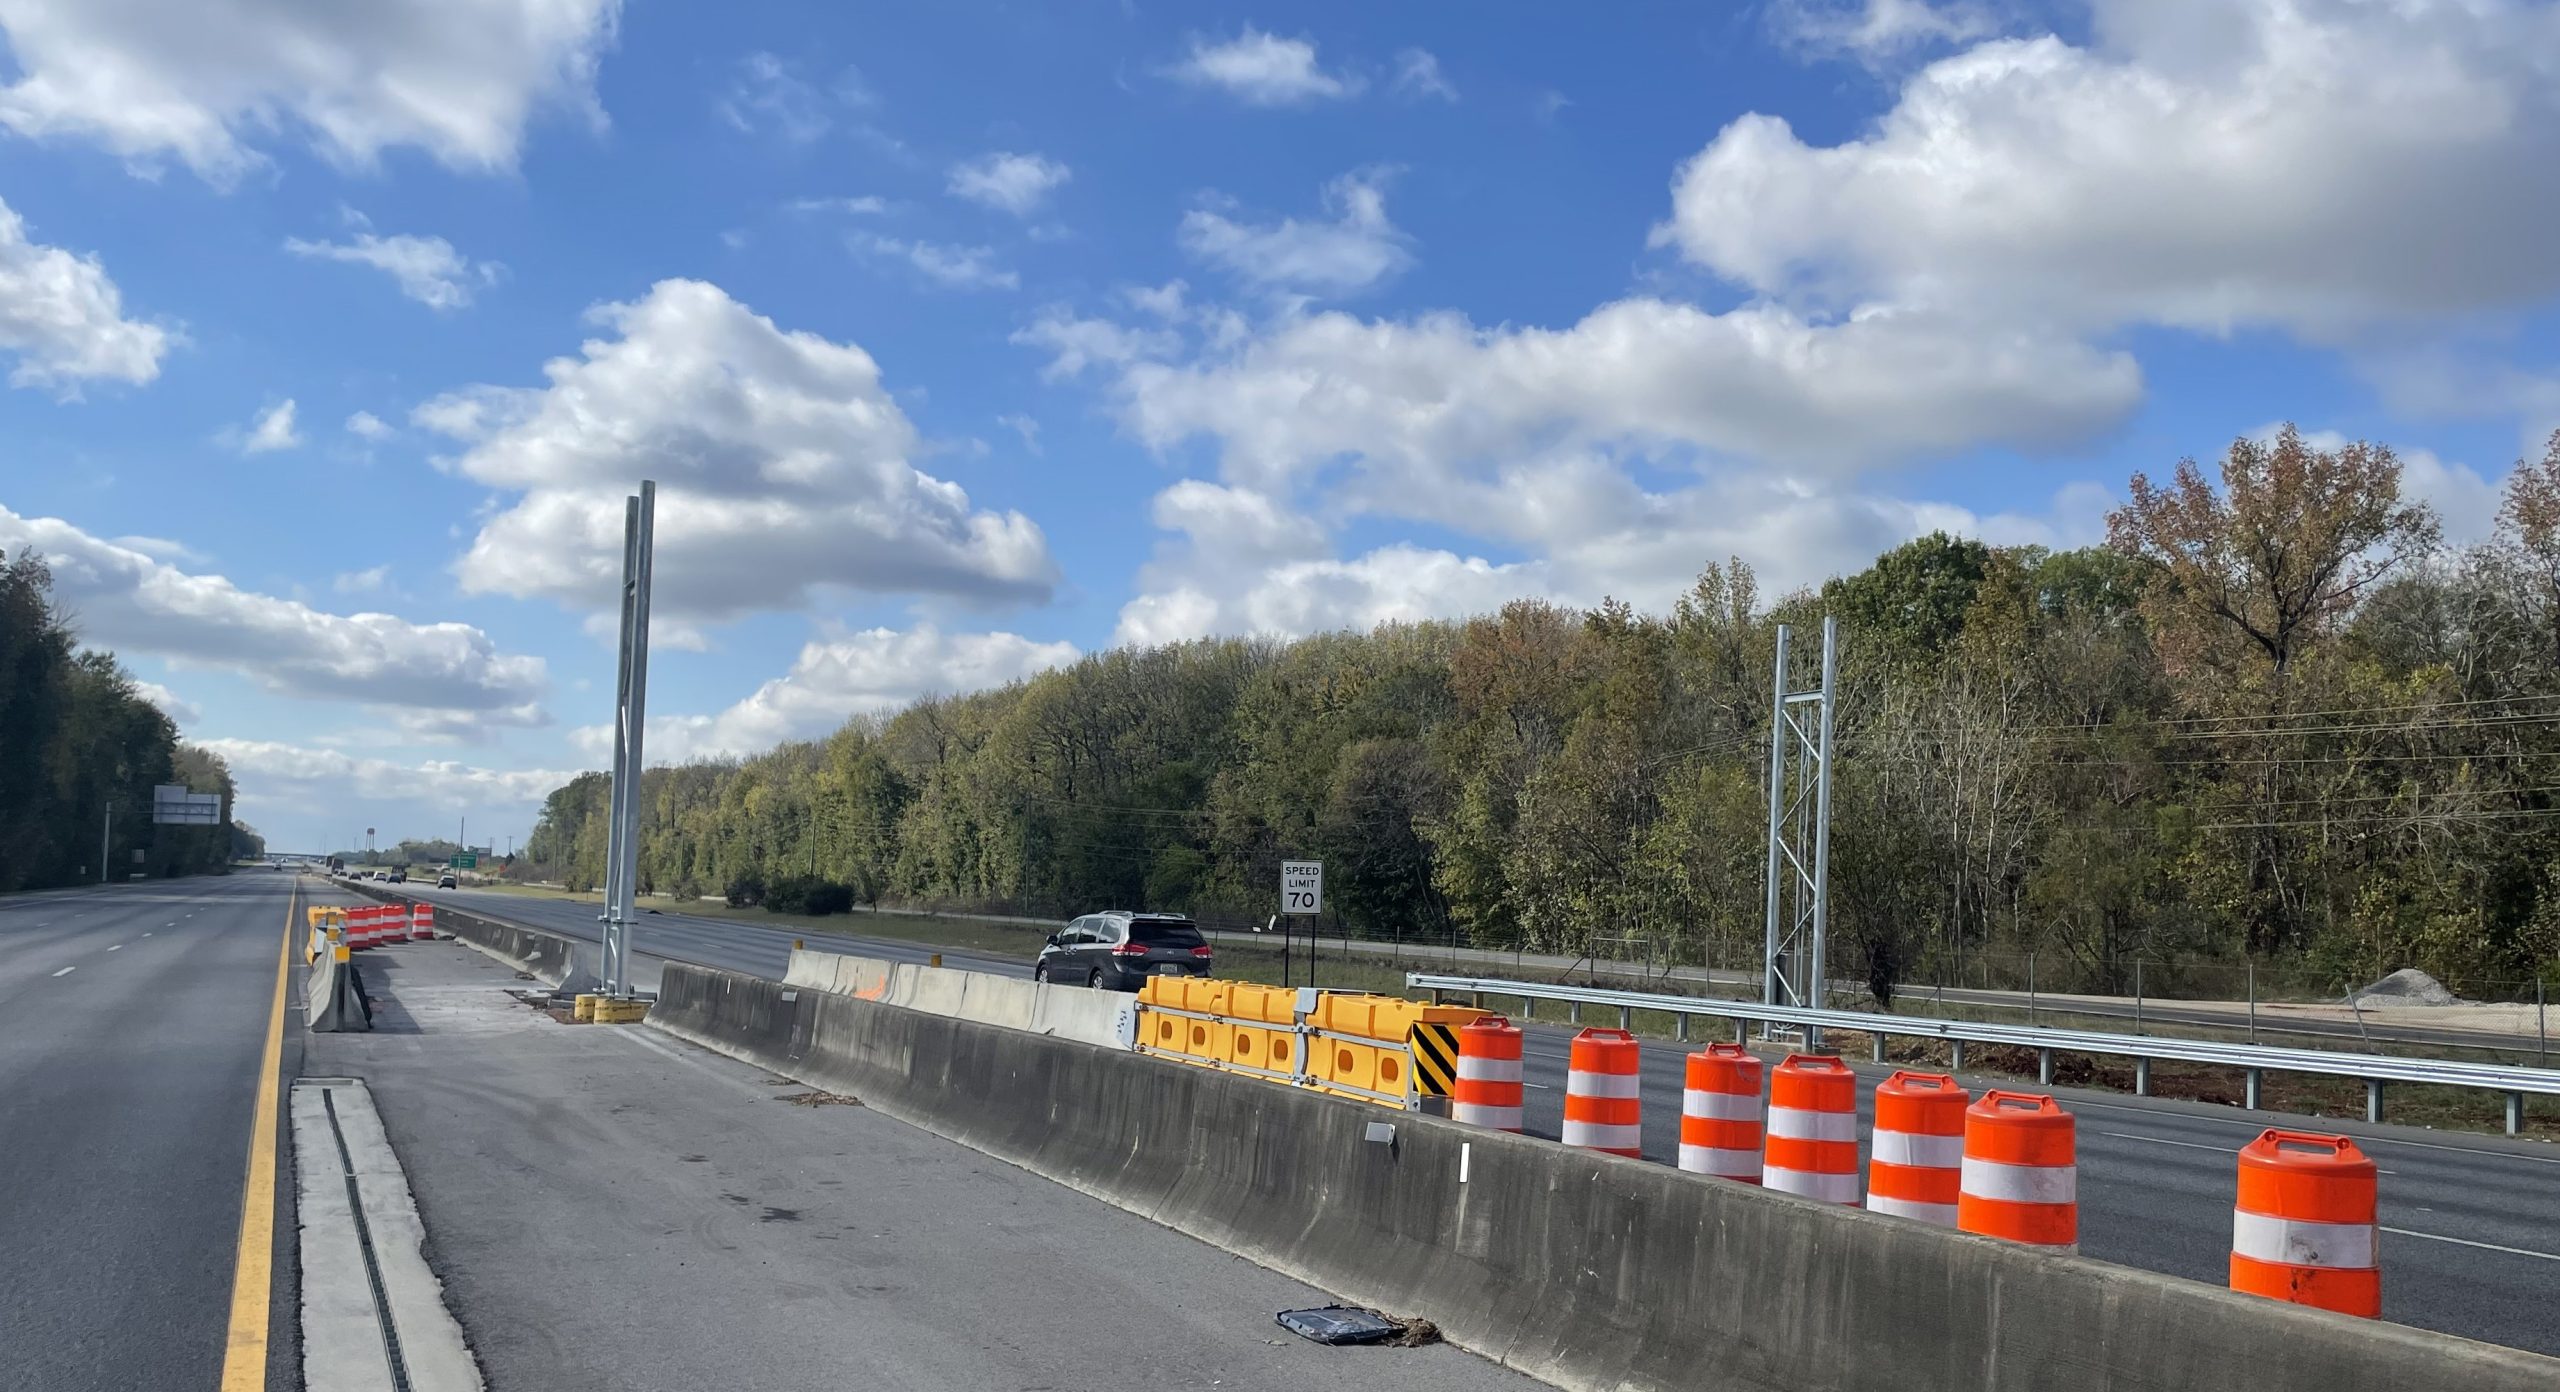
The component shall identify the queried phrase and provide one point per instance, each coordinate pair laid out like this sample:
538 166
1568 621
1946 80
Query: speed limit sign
1302 886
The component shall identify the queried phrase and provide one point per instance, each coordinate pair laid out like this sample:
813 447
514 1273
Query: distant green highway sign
466 861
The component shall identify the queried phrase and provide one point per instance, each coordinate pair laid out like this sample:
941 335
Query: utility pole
1799 873
631 699
105 824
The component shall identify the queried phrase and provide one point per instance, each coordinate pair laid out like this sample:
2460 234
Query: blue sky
964 338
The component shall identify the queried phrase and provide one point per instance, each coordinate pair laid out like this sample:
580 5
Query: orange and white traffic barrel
2304 1227
1720 1129
1489 1086
1603 1106
2021 1168
360 926
1812 1147
422 921
1915 1160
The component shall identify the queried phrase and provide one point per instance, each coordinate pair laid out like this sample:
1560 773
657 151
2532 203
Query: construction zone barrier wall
1587 1270
546 957
1382 1049
1104 1018
333 1000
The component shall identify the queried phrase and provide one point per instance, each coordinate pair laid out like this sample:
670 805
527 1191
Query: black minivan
1120 949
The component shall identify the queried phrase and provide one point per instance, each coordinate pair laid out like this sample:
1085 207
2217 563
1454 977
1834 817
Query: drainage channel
364 1243
373 1313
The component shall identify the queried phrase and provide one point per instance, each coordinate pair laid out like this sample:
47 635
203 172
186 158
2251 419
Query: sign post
1301 896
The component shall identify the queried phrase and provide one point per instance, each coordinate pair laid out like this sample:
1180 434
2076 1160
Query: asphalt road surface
614 1210
2471 1241
133 1024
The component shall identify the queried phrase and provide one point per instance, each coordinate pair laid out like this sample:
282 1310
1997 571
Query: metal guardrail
2254 1060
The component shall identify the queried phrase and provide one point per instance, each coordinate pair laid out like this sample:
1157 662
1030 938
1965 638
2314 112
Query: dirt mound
2407 986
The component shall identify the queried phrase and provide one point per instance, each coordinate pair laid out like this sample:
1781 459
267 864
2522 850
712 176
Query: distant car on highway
399 877
1119 950
445 882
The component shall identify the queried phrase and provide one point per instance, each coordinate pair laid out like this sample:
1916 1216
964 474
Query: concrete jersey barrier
1103 1018
549 958
333 999
1588 1270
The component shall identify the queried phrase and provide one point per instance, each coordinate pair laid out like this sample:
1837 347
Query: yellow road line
244 1358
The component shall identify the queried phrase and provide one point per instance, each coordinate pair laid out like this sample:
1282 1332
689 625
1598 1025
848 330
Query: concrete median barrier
1103 1018
333 999
998 1000
867 977
553 960
1588 1270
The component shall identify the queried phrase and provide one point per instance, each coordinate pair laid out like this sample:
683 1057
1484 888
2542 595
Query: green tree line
76 737
2273 720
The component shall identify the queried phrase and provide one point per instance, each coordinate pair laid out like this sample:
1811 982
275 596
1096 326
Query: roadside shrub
745 891
808 894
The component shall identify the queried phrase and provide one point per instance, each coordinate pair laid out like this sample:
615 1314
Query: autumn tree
2248 582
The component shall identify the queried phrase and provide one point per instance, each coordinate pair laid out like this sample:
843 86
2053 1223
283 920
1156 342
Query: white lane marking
66 971
119 947
2197 1145
2360 1139
146 935
2467 1242
2162 1140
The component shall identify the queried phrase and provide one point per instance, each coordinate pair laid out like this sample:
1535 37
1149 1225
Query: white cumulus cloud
1418 76
371 580
781 460
129 601
199 82
951 266
1262 69
767 93
1878 32
294 786
365 425
427 269
64 319
834 679
2313 165
272 430
1357 247
1008 182
178 708
1415 401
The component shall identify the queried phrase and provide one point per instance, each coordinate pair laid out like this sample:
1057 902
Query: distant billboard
173 804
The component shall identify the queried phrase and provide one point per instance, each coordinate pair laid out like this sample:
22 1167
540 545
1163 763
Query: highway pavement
2472 1223
614 1210
133 1031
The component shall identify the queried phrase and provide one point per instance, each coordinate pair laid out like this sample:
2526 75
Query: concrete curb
1586 1270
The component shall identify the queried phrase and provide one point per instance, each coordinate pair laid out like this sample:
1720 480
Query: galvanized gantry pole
630 712
1799 874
